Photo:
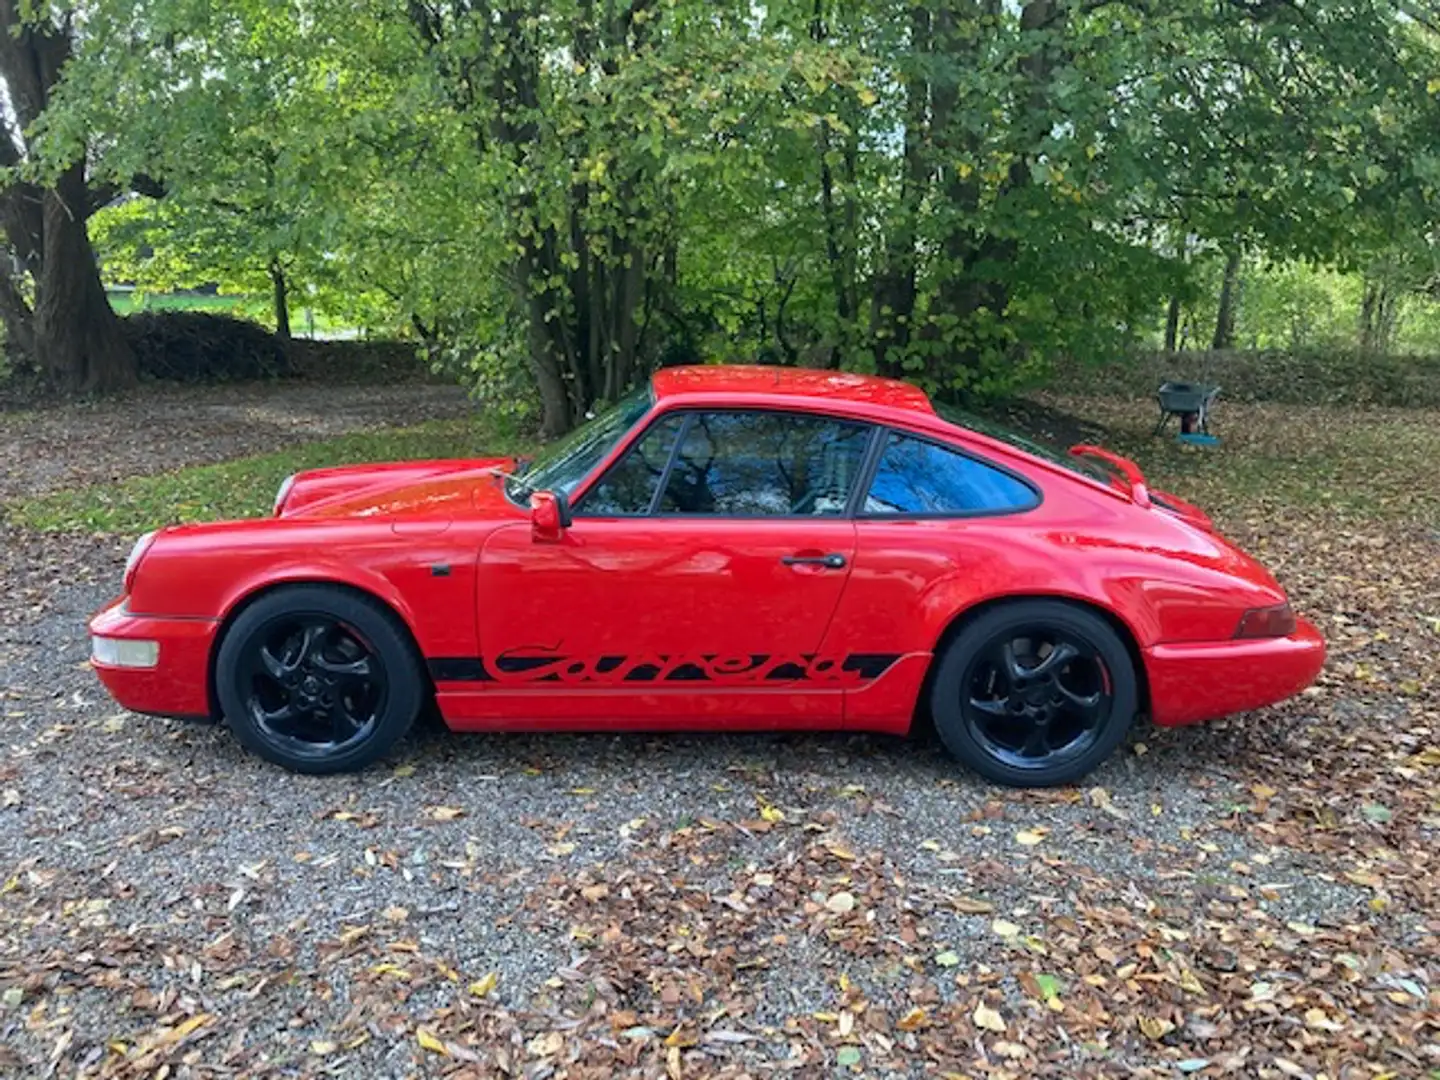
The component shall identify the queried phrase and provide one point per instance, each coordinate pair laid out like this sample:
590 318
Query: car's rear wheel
1034 693
318 679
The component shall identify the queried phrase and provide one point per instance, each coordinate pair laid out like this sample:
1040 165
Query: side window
919 477
628 487
746 464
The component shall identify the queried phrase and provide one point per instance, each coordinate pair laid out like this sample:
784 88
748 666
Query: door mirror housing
549 516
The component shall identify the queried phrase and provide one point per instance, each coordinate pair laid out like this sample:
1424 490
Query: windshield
564 463
1052 454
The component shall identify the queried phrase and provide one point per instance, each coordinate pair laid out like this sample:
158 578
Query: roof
762 381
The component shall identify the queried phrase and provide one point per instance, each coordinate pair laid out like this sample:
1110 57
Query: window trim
657 418
868 477
859 486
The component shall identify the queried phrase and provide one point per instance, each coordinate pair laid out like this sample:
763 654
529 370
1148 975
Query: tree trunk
893 303
282 302
1225 318
78 338
19 322
1172 322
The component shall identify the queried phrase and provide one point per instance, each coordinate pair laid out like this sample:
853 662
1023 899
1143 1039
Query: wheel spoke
1060 655
1009 663
1085 706
309 642
996 707
1037 743
349 669
276 668
285 716
343 727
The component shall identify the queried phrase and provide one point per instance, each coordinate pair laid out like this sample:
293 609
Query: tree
71 331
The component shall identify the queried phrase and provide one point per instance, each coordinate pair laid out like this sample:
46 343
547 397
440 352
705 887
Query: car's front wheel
1034 693
318 679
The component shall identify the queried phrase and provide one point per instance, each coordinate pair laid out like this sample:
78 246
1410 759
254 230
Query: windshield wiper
508 477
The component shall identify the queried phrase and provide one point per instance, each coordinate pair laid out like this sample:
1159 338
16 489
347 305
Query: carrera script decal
525 666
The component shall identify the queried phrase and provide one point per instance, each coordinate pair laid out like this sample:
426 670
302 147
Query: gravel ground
1212 903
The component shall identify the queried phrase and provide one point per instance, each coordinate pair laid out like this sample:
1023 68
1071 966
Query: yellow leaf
987 1018
1433 86
582 791
190 1026
447 813
1155 1027
403 771
1004 929
771 814
842 853
428 1041
912 1020
481 987
322 1047
672 1063
1031 837
1189 982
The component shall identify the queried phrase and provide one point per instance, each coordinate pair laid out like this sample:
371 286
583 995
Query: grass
246 487
128 303
1372 464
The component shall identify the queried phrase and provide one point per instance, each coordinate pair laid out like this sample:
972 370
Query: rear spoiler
1139 492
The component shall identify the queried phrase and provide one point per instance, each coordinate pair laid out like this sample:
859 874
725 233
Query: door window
771 464
628 487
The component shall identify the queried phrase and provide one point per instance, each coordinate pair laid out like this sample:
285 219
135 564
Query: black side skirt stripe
866 666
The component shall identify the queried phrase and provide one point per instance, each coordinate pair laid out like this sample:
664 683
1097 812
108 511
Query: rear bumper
178 683
1204 680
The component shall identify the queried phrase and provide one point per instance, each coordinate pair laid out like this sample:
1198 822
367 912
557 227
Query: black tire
1034 693
318 679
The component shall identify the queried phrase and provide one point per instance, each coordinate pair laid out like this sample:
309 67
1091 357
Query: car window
628 487
743 464
916 476
563 464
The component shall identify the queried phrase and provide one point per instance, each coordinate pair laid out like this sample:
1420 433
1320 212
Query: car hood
407 489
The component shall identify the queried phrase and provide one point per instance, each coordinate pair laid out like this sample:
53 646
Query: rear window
919 477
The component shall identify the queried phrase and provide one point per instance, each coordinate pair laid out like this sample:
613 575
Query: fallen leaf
841 903
447 813
1031 837
482 986
428 1041
987 1018
912 1020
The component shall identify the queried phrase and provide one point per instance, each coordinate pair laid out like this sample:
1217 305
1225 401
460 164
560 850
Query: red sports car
728 548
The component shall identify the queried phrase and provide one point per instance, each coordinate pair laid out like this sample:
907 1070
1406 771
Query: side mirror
549 516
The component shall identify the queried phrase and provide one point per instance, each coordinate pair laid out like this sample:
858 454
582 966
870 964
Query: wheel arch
247 598
963 618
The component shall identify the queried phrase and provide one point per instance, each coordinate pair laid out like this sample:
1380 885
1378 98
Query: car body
676 571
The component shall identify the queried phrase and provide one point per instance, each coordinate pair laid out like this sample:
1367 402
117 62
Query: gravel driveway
599 906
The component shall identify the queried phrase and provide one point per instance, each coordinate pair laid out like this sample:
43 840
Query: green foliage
561 194
246 487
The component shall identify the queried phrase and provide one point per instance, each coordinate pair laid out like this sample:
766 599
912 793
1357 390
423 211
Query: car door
692 588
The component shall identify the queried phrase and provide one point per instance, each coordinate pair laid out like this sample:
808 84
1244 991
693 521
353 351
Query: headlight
132 563
283 493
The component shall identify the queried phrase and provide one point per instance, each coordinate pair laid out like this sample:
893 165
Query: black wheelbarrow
1190 402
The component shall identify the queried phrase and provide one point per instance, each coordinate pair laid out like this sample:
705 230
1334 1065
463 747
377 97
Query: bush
1298 377
196 346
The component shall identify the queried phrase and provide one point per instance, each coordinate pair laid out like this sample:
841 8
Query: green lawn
127 303
246 487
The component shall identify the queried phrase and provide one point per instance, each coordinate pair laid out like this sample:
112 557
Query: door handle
833 561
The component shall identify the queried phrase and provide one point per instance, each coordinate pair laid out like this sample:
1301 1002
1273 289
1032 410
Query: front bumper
1190 682
178 683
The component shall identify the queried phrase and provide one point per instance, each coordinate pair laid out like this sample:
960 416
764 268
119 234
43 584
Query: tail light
1267 622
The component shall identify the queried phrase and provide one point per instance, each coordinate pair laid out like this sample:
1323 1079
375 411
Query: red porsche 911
729 548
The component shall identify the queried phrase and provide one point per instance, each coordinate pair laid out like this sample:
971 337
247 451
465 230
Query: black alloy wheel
1037 699
318 678
316 686
1034 693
